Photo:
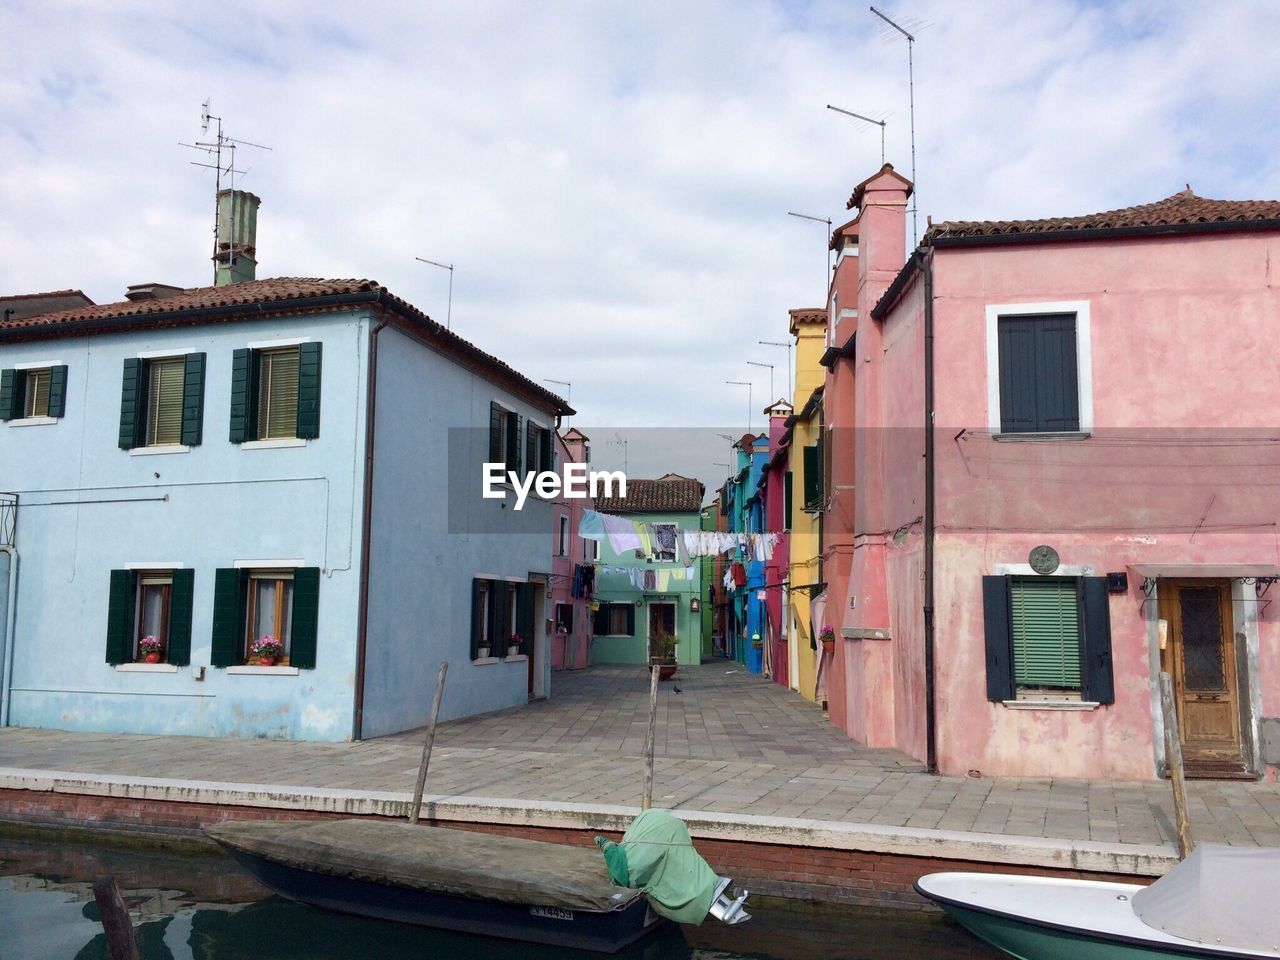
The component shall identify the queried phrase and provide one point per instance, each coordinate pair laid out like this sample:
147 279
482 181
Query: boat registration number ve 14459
554 913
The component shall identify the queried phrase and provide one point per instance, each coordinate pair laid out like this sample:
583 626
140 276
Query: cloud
610 181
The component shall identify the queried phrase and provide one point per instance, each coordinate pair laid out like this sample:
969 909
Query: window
249 604
504 437
500 609
275 393
1048 638
564 618
1039 369
562 542
614 620
538 453
664 542
33 392
270 602
590 549
162 401
813 462
150 604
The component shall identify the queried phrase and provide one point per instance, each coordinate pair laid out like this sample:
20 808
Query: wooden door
662 618
1201 658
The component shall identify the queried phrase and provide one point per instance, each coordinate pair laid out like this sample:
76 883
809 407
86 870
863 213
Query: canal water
195 906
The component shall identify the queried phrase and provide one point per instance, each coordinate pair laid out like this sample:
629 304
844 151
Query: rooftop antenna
755 363
620 440
911 87
568 391
214 148
858 116
750 405
826 279
788 345
448 316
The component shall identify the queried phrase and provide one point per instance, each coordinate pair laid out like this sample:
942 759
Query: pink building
775 485
1095 504
570 556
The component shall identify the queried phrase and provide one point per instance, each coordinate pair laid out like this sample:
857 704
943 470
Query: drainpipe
924 264
11 613
362 626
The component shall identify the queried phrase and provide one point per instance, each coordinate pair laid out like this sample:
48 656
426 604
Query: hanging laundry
621 533
663 580
591 526
575 587
588 580
739 574
692 542
666 536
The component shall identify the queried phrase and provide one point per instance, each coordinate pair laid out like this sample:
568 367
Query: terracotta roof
675 495
807 315
289 294
859 192
1181 209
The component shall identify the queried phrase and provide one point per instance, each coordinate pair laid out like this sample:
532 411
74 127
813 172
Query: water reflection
205 908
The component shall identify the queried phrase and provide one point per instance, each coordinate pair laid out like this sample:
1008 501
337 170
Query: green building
643 591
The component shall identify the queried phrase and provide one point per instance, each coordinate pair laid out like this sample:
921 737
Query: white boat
1219 902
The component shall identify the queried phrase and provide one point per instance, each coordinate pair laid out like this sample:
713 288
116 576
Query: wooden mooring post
1173 760
647 800
426 747
116 924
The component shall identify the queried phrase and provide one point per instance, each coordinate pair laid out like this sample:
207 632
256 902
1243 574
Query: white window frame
1084 360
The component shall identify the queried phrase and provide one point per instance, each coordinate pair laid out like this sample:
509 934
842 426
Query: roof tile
671 494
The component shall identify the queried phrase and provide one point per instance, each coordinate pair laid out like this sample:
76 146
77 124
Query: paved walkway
729 744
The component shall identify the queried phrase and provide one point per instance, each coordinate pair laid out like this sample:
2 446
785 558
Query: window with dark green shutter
229 591
120 617
813 477
308 418
193 399
1039 389
33 392
305 617
614 620
481 598
275 393
786 500
497 439
1047 638
181 604
513 441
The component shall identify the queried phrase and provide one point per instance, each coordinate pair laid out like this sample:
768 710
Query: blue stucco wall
431 537
206 508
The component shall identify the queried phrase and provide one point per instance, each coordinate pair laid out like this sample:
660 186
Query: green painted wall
616 588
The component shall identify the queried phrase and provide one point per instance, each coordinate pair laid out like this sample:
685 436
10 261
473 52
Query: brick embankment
796 870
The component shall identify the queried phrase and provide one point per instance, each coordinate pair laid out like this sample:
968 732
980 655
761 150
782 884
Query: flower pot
152 656
666 667
828 644
513 651
482 653
266 661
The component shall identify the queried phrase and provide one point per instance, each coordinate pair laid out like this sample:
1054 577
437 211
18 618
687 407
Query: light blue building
293 458
742 506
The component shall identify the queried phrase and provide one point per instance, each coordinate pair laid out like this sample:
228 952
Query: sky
610 181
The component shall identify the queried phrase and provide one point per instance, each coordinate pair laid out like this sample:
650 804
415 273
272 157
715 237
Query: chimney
235 253
151 291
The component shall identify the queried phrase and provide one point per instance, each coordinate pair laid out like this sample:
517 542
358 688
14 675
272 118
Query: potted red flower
150 649
267 649
828 638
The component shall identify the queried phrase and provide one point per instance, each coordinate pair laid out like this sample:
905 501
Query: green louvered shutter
181 600
11 384
631 619
524 612
812 477
309 390
229 613
548 449
531 448
513 442
786 500
1098 684
244 384
999 644
477 616
133 403
193 399
120 610
495 433
1044 619
306 612
600 621
58 391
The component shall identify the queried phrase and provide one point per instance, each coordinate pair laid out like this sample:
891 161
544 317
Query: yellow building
809 328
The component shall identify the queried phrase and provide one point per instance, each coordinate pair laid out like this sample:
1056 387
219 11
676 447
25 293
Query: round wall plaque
1043 559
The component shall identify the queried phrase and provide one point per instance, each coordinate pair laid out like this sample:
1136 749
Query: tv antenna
879 123
911 89
448 316
826 277
215 148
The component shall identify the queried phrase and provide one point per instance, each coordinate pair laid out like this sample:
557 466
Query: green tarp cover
477 865
661 861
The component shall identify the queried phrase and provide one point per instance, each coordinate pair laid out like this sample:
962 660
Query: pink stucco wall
579 642
1180 356
778 567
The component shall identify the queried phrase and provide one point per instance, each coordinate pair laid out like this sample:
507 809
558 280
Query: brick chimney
235 254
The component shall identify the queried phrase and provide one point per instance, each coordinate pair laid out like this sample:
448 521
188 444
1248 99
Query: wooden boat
452 879
1219 902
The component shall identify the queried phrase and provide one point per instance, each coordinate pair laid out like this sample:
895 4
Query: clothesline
626 534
